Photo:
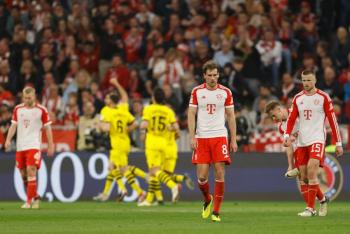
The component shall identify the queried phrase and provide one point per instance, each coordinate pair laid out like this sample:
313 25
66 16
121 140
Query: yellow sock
178 178
137 172
151 189
158 192
165 179
108 184
119 179
130 178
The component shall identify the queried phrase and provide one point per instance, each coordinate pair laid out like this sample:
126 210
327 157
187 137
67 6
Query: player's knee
202 179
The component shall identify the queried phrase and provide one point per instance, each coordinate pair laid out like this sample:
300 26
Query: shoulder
224 88
298 95
18 107
198 87
41 107
323 94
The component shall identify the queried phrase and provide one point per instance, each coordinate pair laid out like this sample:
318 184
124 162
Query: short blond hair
271 106
28 90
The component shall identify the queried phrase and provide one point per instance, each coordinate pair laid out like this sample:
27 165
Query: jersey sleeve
45 117
104 114
193 100
145 114
172 117
131 118
229 99
328 109
293 115
14 115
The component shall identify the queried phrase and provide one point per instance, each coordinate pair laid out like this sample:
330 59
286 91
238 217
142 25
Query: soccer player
158 119
28 119
210 103
279 114
312 106
118 121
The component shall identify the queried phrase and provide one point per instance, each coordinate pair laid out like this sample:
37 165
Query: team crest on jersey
331 177
316 102
219 96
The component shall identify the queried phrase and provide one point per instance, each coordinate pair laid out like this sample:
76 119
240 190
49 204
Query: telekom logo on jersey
211 108
307 114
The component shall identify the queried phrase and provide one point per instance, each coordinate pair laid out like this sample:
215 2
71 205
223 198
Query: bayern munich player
209 105
312 106
28 119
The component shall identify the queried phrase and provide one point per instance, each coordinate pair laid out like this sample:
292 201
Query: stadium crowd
69 51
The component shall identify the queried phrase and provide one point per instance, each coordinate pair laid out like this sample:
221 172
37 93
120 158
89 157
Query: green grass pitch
184 217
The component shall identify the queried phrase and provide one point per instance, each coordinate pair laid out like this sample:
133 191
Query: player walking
28 119
210 102
312 106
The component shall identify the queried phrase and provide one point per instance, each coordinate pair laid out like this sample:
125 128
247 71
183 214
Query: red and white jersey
211 105
312 111
29 124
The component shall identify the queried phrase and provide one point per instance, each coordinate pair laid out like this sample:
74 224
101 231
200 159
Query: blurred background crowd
70 49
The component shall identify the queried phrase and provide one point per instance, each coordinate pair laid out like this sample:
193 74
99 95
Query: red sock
319 194
312 195
304 189
204 187
218 195
31 190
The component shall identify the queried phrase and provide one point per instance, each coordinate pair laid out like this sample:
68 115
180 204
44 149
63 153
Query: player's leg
33 162
203 184
304 189
130 178
138 172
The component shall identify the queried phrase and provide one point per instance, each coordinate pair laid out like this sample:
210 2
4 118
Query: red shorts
211 150
31 157
303 154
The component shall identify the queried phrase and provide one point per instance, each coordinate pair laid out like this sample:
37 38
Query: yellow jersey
119 119
159 117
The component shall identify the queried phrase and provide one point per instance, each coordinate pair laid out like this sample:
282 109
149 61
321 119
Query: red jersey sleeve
45 116
293 115
229 99
193 100
328 109
14 115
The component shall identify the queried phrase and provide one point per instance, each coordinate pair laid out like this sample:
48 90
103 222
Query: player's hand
50 150
7 145
233 146
114 81
287 142
339 151
194 143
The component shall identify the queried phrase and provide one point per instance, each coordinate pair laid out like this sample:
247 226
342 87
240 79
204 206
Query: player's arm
123 94
290 152
328 108
10 134
104 126
143 128
293 115
191 122
50 149
231 120
132 126
174 127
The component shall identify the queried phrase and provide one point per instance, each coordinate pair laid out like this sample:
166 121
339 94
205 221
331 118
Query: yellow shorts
119 155
169 162
155 151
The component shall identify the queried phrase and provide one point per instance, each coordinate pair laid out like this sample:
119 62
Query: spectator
330 85
288 88
171 99
270 51
264 93
341 47
71 111
53 102
87 122
225 55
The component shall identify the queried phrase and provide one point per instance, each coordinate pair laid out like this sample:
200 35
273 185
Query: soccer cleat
36 202
207 208
308 212
189 182
121 195
26 206
215 218
292 173
100 197
142 197
323 207
144 203
175 192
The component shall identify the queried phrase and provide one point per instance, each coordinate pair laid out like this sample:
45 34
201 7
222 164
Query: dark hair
271 105
210 65
114 97
159 95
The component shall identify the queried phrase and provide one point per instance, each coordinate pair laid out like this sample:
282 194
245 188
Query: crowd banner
64 140
73 176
